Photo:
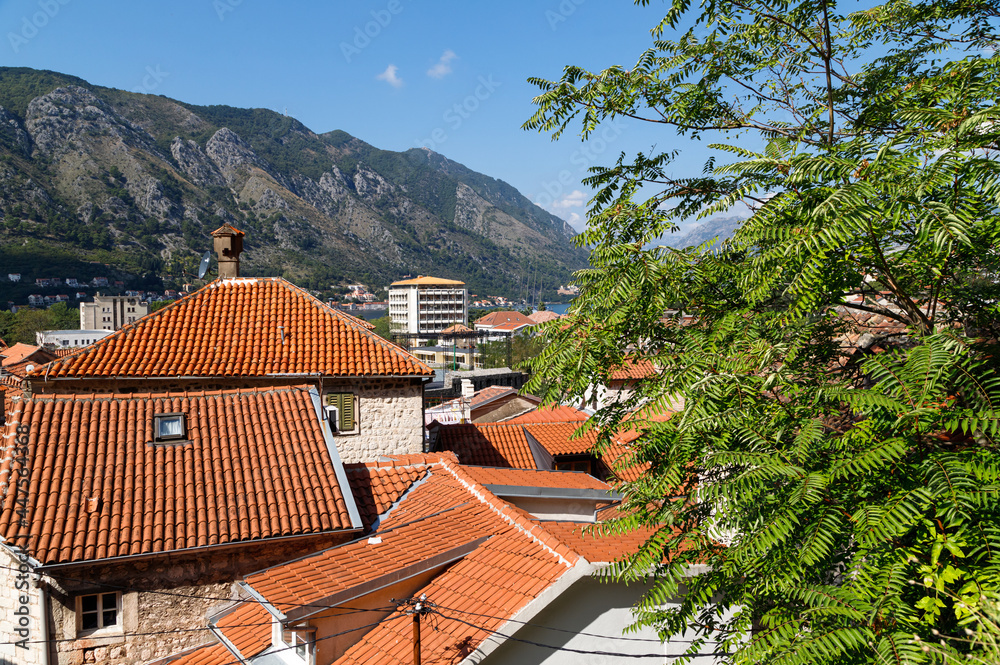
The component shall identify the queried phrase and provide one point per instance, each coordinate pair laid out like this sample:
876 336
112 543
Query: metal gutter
554 492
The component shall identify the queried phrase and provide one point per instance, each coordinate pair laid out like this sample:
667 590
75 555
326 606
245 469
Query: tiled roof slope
21 352
485 475
376 486
247 627
506 562
504 317
633 369
488 444
505 445
256 467
491 584
558 438
544 316
597 547
550 414
240 327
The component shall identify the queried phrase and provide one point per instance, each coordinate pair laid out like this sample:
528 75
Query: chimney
468 391
228 246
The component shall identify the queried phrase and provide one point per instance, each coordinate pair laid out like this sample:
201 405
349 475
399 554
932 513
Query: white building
427 305
111 312
69 339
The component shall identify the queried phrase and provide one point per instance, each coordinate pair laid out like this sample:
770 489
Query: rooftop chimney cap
227 229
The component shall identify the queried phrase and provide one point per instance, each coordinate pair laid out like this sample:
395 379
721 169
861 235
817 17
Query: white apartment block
111 312
427 305
69 338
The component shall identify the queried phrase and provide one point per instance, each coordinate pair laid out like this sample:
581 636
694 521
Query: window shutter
344 402
347 412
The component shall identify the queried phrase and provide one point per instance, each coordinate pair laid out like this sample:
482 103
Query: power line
189 630
564 630
580 651
177 594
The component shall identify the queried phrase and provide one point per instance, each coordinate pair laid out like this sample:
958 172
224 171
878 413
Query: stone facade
390 418
20 612
164 601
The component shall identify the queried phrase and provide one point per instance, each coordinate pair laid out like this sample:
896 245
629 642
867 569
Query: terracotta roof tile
504 317
594 546
558 438
21 353
488 444
425 280
212 654
248 628
485 475
633 369
376 487
256 466
246 327
544 316
550 414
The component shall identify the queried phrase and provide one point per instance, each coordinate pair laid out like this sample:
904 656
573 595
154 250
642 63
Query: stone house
135 512
188 448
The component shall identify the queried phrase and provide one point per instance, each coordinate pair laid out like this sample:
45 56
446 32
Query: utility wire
564 630
177 594
580 651
188 630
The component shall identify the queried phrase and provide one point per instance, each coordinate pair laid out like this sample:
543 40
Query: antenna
206 260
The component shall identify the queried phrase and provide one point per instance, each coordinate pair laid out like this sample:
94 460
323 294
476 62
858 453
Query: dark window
99 610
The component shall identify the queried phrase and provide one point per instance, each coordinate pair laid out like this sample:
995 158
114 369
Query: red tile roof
485 475
560 439
488 444
502 561
256 467
211 654
247 627
376 486
240 327
544 316
550 414
633 369
21 353
597 547
494 319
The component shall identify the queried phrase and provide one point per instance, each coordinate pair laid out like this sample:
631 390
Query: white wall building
69 339
111 312
427 305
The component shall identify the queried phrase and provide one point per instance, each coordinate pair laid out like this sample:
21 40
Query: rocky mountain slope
137 181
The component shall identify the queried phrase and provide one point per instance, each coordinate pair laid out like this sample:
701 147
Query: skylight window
169 427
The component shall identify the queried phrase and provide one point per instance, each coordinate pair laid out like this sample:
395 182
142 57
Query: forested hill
137 182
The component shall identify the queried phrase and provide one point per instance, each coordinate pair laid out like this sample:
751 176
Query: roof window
169 428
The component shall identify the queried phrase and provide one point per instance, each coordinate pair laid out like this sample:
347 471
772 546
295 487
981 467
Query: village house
142 475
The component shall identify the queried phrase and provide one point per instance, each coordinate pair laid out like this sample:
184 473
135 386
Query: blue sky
395 73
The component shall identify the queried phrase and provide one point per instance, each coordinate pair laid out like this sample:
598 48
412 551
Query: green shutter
347 412
344 402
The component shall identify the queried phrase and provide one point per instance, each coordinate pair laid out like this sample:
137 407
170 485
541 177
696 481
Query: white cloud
389 76
575 199
443 66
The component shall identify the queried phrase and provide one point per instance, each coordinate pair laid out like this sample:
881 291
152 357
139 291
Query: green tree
834 459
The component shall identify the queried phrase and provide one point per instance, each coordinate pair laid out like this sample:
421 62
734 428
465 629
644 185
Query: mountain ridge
138 181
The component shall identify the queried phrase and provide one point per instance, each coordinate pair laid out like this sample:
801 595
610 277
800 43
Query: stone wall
390 418
20 612
165 601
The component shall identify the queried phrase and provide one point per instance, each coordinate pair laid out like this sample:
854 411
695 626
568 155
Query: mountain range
95 179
